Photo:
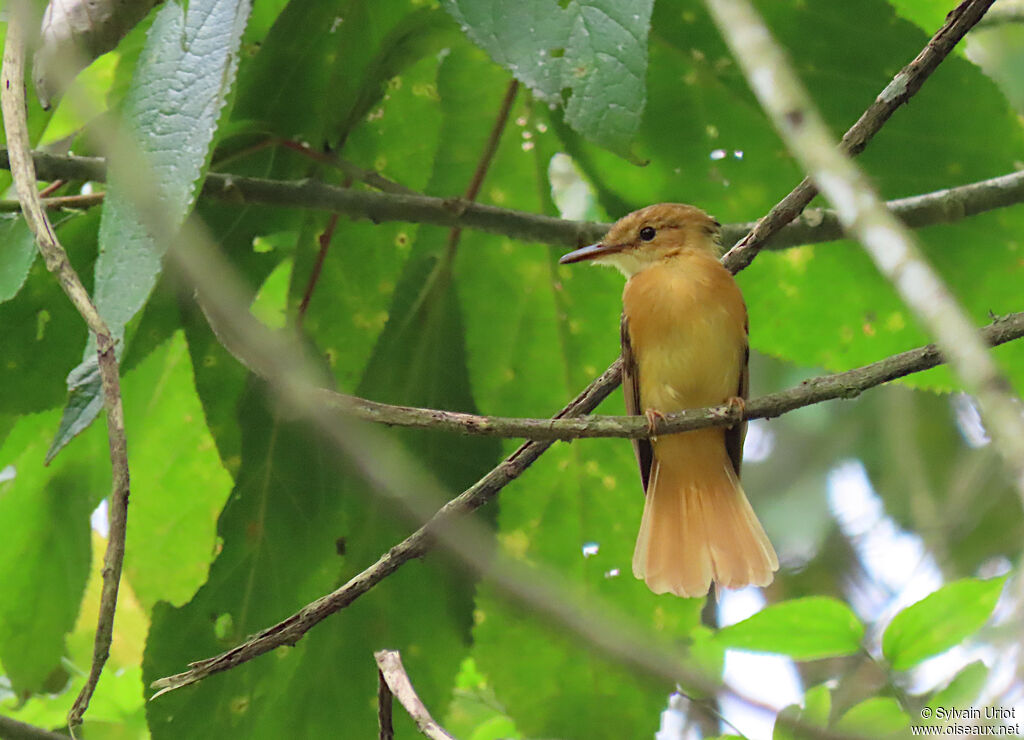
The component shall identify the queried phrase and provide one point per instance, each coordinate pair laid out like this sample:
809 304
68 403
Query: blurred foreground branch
863 215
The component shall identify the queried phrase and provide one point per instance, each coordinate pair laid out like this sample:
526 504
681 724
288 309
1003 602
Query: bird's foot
734 409
652 420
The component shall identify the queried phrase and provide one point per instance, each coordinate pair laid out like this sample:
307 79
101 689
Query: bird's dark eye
647 233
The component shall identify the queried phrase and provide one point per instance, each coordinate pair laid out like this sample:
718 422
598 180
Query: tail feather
697 525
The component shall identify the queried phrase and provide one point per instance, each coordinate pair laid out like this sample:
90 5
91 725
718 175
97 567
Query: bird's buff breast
687 325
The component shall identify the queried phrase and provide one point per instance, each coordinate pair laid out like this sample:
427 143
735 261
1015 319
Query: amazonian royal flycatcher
684 346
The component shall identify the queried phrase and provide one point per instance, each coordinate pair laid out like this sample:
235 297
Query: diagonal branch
907 82
890 244
290 630
389 663
848 384
12 99
816 225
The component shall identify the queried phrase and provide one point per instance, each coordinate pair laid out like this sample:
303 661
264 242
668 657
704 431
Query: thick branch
889 243
817 225
12 729
847 384
12 99
389 662
907 82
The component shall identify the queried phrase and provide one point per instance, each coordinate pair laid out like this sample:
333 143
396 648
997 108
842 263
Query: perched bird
684 345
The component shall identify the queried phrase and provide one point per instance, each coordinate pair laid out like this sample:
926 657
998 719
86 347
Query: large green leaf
178 483
589 56
45 552
180 85
804 629
939 621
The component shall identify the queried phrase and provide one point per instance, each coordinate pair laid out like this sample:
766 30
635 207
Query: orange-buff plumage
684 344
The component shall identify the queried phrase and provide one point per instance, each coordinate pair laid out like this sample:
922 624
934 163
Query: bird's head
652 234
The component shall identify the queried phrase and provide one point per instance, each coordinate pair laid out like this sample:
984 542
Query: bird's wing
631 390
734 435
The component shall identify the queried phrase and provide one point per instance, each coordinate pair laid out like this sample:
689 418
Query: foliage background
239 516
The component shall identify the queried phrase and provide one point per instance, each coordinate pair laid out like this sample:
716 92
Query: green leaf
41 332
45 553
878 717
964 688
939 621
171 535
180 85
586 55
17 252
804 629
813 715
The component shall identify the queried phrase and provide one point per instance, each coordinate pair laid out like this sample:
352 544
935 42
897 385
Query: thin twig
86 200
863 214
12 98
848 384
384 723
903 86
52 188
486 158
393 672
817 225
314 276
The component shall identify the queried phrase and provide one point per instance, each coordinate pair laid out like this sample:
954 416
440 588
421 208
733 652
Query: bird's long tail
697 525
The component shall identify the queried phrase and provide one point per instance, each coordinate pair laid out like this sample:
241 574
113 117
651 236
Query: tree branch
397 680
817 225
12 729
12 99
848 384
907 82
384 723
889 243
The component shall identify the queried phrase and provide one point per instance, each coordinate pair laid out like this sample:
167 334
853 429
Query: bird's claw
734 409
652 420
